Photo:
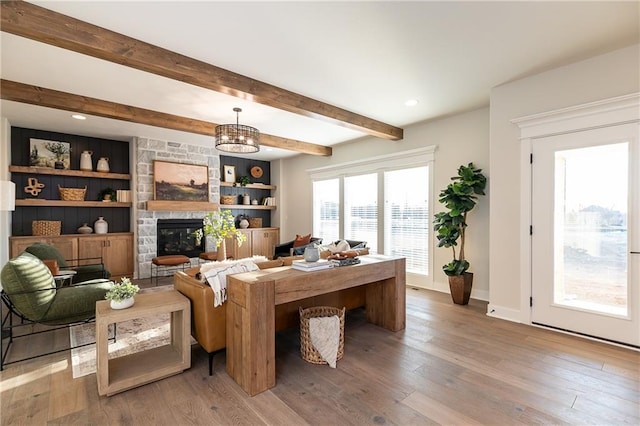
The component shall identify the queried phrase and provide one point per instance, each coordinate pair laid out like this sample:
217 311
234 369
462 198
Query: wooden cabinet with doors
115 249
260 241
264 241
68 247
234 251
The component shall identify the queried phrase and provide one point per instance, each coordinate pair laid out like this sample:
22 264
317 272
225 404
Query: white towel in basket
325 337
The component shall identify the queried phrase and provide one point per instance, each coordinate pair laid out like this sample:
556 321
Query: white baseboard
501 312
444 288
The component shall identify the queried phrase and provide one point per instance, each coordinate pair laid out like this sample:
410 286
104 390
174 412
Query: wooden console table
129 371
253 296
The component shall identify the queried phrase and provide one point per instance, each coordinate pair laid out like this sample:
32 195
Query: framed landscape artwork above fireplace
180 182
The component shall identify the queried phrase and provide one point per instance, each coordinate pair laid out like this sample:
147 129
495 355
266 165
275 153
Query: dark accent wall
71 217
243 168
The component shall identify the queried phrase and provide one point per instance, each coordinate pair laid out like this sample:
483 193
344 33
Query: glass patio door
585 207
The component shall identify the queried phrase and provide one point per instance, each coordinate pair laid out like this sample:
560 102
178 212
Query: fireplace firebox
176 236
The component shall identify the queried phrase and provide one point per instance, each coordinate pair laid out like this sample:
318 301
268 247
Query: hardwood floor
452 365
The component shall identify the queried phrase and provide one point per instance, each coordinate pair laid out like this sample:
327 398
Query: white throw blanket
216 273
325 337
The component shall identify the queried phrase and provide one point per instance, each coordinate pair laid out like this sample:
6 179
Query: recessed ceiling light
79 117
411 102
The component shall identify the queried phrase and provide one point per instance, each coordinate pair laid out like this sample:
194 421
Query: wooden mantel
182 206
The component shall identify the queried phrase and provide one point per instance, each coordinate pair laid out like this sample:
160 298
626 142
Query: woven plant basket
228 199
46 227
72 194
255 222
307 351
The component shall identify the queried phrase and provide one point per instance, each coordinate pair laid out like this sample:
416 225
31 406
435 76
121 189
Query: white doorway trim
604 113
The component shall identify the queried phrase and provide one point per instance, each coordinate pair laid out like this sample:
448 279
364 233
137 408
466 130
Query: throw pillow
338 246
302 240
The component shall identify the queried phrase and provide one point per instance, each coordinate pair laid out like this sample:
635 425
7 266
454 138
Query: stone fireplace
146 151
176 236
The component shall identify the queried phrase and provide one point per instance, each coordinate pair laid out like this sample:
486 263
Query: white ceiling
366 57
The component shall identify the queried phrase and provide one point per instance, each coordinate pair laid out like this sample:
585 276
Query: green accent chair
96 270
30 292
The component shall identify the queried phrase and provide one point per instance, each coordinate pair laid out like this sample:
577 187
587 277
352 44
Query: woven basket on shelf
46 227
228 199
307 351
255 222
72 194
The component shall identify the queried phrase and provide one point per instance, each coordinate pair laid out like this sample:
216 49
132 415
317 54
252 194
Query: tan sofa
208 324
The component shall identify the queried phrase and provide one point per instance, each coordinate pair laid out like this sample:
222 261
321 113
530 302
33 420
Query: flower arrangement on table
219 225
122 290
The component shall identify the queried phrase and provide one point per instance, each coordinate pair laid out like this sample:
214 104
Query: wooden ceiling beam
34 95
44 25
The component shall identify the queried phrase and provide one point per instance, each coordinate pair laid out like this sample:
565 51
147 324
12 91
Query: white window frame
380 164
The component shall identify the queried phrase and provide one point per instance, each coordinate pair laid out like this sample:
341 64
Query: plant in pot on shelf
242 181
459 198
121 294
107 194
219 225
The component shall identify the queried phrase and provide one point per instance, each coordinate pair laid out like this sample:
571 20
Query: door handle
635 252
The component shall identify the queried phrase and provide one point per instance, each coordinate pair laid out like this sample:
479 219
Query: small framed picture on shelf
52 154
229 173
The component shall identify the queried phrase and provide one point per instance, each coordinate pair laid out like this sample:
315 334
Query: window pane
407 217
361 209
591 228
326 210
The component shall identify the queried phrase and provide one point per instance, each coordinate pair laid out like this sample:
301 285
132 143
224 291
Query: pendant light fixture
237 138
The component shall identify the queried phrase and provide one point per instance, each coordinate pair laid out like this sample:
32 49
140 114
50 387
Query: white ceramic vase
101 226
122 304
311 254
86 162
85 229
103 165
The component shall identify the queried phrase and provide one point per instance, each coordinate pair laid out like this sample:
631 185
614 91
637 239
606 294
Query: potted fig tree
459 198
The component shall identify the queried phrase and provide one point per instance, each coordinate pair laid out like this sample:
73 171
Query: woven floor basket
46 227
72 194
307 351
228 199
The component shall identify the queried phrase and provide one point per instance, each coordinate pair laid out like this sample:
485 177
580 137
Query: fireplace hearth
176 236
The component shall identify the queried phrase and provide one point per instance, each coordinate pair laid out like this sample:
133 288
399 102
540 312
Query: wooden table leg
102 355
386 300
251 350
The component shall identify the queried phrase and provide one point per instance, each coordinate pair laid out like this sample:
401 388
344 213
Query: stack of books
123 196
269 201
303 265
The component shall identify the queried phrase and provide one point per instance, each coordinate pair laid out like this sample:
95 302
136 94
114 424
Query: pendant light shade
237 138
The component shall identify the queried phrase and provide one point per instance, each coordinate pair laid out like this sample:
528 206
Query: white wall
5 217
612 74
460 139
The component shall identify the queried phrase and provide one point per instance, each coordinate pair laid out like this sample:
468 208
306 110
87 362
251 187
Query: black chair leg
211 363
